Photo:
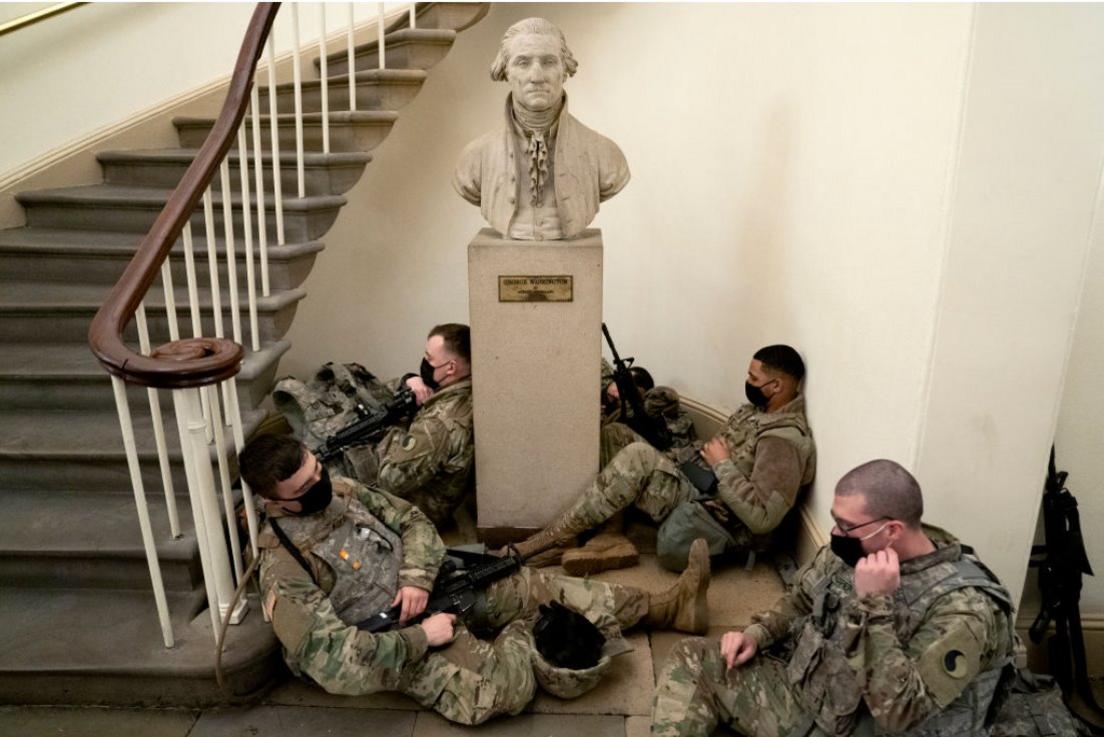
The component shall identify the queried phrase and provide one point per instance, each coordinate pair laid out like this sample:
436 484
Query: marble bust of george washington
542 174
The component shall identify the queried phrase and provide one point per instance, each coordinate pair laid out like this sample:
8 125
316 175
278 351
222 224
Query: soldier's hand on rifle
878 573
413 601
715 451
737 648
421 391
439 628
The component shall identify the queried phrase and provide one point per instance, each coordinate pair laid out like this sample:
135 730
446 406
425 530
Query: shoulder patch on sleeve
409 442
949 664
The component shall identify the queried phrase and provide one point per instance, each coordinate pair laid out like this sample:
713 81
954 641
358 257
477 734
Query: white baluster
413 13
224 477
212 263
231 256
247 227
170 298
143 510
324 85
379 35
216 543
352 60
277 185
186 416
193 297
298 99
193 289
262 224
234 410
158 429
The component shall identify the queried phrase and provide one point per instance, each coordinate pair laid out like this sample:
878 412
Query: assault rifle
371 425
653 429
455 590
1062 561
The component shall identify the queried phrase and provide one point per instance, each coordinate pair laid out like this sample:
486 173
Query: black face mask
755 395
426 372
317 497
848 549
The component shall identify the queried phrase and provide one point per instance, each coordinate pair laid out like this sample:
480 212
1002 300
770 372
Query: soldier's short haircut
457 338
539 27
782 358
888 490
269 459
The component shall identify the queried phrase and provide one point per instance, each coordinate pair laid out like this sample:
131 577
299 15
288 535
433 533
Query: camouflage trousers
695 692
613 438
640 476
472 680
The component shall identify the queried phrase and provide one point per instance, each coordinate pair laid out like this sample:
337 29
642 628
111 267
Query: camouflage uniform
469 680
659 401
772 457
924 661
429 463
432 462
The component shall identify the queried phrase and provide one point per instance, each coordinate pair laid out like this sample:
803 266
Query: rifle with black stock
1062 561
371 425
456 589
651 428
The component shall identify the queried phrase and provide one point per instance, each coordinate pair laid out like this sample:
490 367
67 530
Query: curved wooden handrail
196 361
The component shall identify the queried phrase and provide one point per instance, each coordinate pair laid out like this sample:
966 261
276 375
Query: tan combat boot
683 606
607 550
545 547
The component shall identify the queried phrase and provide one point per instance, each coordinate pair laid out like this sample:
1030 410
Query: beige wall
99 64
884 187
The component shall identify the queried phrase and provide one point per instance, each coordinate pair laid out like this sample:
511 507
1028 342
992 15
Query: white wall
1028 174
94 66
873 184
1080 436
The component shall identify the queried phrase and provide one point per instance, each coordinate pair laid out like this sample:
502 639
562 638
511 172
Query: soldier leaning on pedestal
430 460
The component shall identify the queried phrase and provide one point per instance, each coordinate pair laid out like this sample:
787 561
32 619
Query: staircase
79 622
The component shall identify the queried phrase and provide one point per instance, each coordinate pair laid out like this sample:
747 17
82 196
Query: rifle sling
290 547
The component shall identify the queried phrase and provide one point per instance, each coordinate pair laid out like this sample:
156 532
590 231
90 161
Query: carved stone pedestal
536 319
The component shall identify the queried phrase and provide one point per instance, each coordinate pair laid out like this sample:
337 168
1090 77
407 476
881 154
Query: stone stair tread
186 155
34 295
116 631
399 76
74 361
352 117
92 433
116 194
54 240
59 524
393 38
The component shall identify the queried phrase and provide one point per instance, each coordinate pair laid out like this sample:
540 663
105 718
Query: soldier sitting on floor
349 552
733 491
893 628
430 461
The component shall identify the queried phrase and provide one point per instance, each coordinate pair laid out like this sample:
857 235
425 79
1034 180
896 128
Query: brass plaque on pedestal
552 288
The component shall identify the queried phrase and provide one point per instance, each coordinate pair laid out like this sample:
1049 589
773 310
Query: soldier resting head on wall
893 623
350 551
733 490
427 459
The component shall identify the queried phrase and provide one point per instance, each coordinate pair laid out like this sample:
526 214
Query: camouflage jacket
316 642
431 462
913 658
660 401
772 457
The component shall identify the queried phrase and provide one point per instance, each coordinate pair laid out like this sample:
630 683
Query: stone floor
619 707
